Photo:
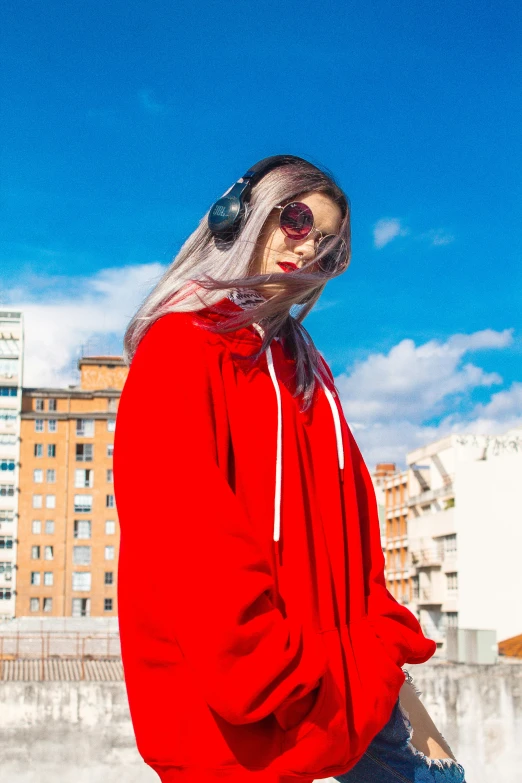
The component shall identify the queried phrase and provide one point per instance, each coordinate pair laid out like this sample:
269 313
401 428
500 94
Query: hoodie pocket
320 739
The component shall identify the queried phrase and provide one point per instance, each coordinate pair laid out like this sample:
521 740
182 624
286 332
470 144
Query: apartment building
395 487
68 535
11 372
382 471
465 534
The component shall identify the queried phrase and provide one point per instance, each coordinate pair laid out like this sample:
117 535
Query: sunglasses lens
332 255
296 220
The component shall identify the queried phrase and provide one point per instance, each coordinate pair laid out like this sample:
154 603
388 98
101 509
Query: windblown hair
207 268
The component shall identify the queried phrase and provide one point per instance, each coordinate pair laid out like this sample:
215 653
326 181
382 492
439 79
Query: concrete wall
489 537
80 732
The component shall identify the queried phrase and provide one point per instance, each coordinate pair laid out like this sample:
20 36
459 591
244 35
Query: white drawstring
279 449
337 424
279 446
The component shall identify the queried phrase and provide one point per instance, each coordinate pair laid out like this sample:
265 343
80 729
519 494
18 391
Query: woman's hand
426 737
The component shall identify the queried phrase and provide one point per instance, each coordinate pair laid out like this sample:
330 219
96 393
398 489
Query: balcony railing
427 595
431 494
431 556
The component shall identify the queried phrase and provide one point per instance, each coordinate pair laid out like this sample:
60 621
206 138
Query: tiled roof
33 669
511 647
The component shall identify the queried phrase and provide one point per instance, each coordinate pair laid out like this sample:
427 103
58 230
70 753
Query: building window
111 425
51 425
38 425
83 477
51 476
7 440
50 501
82 528
35 552
35 604
81 607
84 428
81 555
107 604
112 404
51 450
8 418
48 604
109 577
36 527
110 476
109 553
48 578
7 463
35 577
48 553
450 544
6 515
110 527
5 593
52 405
452 582
8 391
6 490
49 526
110 449
109 501
38 476
6 569
37 501
39 405
84 452
415 587
82 504
6 542
81 581
38 450
452 619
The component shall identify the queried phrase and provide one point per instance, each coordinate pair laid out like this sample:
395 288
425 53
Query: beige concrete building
11 371
68 534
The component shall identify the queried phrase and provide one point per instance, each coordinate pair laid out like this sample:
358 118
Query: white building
11 372
465 534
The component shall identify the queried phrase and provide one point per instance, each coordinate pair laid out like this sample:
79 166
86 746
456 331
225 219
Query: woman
258 639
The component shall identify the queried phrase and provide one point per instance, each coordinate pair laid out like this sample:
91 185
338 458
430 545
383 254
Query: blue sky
123 122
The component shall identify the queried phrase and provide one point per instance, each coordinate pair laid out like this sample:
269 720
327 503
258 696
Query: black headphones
226 214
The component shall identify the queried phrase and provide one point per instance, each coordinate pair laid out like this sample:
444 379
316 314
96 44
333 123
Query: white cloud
388 398
149 104
440 237
58 320
387 229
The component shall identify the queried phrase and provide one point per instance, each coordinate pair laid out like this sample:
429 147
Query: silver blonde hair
206 269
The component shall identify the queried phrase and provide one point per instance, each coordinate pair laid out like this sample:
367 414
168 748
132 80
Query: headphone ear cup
225 215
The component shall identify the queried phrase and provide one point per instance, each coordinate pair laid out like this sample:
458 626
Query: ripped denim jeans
391 757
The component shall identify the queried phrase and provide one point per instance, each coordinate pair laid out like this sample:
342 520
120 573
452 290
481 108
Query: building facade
465 534
396 509
11 378
68 534
382 471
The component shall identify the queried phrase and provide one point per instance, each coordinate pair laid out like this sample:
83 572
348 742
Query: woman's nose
305 250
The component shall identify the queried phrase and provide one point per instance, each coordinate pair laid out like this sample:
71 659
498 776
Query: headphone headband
226 214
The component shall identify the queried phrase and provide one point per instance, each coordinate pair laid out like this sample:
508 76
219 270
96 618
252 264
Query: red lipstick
287 266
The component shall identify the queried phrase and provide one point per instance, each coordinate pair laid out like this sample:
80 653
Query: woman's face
275 246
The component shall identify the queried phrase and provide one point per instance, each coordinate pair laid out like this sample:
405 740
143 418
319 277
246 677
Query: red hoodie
259 641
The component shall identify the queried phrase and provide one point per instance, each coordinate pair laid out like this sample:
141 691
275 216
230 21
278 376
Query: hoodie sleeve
395 625
210 587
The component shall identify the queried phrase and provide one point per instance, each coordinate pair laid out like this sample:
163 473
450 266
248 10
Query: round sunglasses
296 221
